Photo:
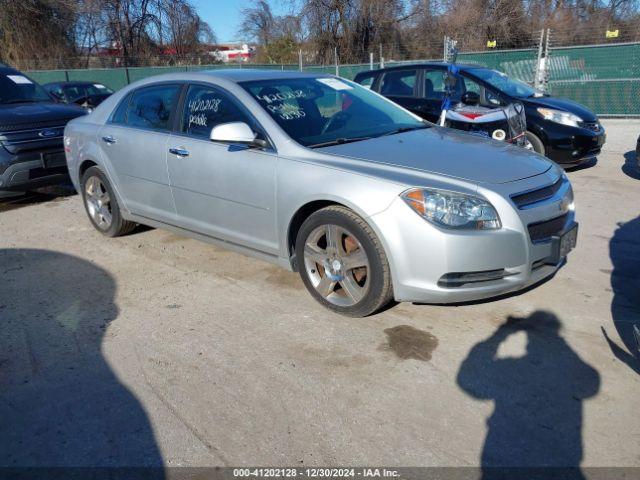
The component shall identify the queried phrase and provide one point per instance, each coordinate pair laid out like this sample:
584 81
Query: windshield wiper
16 100
338 141
406 129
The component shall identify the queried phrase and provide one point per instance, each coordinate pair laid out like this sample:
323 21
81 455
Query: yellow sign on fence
493 43
613 33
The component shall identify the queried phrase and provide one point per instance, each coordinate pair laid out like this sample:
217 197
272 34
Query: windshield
317 112
501 82
16 88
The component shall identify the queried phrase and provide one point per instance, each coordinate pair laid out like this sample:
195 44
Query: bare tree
37 30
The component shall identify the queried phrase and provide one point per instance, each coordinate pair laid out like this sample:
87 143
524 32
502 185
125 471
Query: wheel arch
84 166
298 218
309 208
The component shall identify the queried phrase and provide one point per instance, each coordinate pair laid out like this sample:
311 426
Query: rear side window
119 115
366 80
205 107
399 83
434 84
151 107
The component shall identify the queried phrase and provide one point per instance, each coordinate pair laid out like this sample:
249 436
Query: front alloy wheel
342 262
337 265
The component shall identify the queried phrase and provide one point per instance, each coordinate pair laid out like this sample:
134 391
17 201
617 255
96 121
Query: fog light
458 279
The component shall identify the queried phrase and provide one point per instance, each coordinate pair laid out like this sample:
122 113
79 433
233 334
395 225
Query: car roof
5 70
72 83
227 75
246 75
404 66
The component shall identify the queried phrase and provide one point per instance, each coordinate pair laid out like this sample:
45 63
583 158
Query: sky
224 16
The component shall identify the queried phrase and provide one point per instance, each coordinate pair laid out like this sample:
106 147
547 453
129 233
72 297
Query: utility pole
449 46
547 61
335 58
445 45
300 59
537 81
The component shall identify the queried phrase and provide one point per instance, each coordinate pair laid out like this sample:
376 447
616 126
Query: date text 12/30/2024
315 473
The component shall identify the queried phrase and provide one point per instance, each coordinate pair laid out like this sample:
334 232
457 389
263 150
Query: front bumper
32 169
422 255
570 146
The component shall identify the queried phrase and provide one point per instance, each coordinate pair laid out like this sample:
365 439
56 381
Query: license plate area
563 244
52 160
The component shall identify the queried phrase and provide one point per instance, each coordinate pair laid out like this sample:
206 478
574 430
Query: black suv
31 134
561 129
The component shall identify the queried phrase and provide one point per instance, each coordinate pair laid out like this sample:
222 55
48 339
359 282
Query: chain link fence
604 78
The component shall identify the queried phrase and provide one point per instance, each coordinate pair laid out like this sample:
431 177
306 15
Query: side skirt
249 252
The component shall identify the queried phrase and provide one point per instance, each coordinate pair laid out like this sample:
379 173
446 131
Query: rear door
134 144
403 87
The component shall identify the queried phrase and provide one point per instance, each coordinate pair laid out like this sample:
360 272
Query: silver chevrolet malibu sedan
322 176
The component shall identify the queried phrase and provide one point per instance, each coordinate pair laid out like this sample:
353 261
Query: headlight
557 116
452 210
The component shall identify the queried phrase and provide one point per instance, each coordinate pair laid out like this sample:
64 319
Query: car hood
562 104
37 114
450 153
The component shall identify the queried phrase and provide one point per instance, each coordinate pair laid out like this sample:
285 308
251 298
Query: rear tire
536 143
101 204
342 262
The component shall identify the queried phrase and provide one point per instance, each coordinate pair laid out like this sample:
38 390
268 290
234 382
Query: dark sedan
85 94
561 129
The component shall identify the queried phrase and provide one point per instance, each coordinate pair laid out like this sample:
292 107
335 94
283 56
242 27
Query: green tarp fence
605 78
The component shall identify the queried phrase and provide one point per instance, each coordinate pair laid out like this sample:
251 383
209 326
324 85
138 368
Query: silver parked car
317 174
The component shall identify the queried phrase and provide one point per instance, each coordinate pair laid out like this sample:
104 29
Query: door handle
180 152
109 139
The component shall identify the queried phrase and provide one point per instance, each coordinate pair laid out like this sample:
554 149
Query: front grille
20 141
542 231
522 200
593 126
10 127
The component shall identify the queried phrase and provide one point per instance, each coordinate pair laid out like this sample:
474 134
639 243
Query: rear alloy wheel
342 263
101 205
98 203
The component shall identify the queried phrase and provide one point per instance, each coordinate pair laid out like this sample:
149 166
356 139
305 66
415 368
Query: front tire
101 204
342 262
536 143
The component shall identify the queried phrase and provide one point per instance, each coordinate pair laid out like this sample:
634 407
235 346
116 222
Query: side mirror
236 133
470 98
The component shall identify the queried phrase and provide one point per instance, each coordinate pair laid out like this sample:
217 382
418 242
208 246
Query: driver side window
487 98
206 107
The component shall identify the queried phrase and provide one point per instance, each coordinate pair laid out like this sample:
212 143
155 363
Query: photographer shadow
624 250
61 405
537 419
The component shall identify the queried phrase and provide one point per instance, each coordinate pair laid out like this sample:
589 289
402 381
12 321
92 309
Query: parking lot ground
155 349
